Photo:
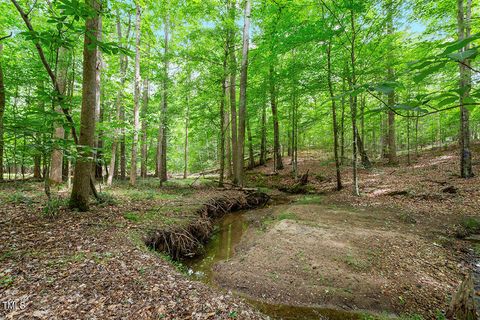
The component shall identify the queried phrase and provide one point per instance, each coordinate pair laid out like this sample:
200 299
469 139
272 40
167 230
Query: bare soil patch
342 257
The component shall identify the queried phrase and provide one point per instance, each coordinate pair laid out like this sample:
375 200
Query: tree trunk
278 164
353 106
408 138
242 110
228 142
464 29
187 123
342 124
56 162
2 111
162 144
363 153
223 126
462 306
263 142
123 145
334 117
392 148
251 156
136 98
233 94
362 117
416 135
37 165
113 169
97 168
83 168
144 153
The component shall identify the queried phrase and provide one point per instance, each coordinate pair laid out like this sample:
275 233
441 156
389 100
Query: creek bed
221 247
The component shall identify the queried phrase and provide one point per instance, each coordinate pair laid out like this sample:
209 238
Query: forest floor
57 264
394 249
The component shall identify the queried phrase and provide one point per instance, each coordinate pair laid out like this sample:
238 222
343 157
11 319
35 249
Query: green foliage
53 207
471 225
106 199
131 216
177 264
310 199
20 198
6 281
287 216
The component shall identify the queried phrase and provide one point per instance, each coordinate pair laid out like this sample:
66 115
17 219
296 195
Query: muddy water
221 247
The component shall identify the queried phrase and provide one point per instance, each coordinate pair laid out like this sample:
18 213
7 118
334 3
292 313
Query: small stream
221 247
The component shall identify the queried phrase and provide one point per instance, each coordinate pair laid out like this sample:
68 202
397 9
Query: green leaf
384 88
428 71
462 56
457 45
447 101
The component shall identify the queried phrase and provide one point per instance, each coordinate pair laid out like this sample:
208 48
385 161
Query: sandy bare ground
340 257
393 249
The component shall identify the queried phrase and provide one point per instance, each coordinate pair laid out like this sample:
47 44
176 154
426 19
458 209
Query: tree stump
462 306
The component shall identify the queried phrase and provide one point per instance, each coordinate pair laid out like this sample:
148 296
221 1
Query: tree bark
56 161
187 124
278 165
83 168
228 141
233 93
353 105
363 153
342 124
136 98
162 143
464 30
2 111
251 156
97 167
242 110
334 117
263 142
223 126
119 135
392 148
144 153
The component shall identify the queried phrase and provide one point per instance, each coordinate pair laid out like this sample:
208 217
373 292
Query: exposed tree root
187 241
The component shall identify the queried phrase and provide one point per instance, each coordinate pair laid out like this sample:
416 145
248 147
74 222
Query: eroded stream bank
228 234
338 261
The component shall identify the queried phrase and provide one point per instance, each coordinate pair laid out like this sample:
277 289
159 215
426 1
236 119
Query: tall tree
136 97
83 168
2 110
353 101
123 59
56 161
162 135
334 116
144 153
242 110
392 148
464 29
233 91
277 152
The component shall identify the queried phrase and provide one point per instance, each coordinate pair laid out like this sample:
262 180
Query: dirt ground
393 249
94 265
356 259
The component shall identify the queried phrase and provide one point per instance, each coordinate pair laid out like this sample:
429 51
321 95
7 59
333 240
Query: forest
239 159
